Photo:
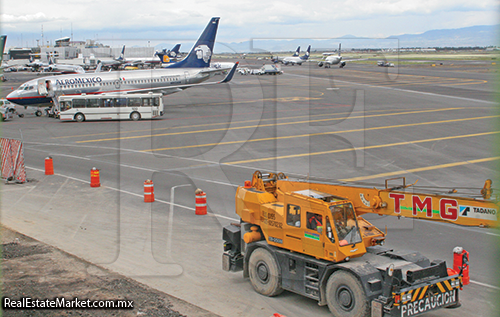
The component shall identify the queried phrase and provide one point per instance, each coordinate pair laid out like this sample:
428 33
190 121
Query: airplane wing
171 89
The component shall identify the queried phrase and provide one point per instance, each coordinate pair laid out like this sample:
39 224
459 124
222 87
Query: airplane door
42 87
186 73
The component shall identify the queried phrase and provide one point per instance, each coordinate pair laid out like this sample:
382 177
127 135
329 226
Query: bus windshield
346 224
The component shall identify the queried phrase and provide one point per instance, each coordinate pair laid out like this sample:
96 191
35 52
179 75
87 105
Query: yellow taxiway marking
317 134
267 125
361 148
421 169
227 122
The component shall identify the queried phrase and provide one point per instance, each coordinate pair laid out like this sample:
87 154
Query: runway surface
361 124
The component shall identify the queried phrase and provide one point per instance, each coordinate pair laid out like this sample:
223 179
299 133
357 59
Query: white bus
110 107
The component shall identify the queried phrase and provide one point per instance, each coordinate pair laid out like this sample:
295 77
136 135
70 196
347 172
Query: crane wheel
345 296
264 273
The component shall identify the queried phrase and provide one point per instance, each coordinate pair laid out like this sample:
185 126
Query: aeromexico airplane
189 72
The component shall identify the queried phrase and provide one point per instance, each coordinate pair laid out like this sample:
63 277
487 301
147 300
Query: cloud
38 17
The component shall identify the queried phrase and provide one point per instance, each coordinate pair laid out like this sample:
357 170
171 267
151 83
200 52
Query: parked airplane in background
139 62
62 68
115 62
191 71
332 60
36 64
278 59
292 60
170 56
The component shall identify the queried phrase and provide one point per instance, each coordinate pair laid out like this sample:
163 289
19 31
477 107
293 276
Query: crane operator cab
324 226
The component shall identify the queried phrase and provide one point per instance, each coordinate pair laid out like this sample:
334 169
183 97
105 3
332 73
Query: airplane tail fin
49 58
98 68
308 52
340 45
3 40
297 52
175 51
122 54
201 53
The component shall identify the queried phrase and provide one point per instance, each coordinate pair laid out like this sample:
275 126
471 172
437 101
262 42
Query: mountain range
474 36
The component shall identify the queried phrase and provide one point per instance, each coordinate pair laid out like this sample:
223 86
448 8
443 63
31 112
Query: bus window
120 102
156 102
146 102
108 103
134 102
93 103
78 103
65 105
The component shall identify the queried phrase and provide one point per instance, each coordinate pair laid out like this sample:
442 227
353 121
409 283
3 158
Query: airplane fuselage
293 60
110 82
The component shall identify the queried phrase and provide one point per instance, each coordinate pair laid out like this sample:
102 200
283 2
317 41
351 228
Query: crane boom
402 201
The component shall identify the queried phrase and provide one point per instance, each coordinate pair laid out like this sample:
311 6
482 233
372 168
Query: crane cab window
314 221
346 224
293 215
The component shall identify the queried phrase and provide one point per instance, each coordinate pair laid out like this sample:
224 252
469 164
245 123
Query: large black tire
345 296
38 113
79 117
264 273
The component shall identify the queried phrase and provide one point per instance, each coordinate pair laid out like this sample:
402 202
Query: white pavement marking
208 163
398 89
485 285
129 193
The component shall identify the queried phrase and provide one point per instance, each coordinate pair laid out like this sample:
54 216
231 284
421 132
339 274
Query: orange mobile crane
309 238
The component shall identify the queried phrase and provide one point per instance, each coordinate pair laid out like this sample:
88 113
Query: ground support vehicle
310 238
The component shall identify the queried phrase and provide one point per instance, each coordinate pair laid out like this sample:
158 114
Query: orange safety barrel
49 166
149 191
200 202
94 178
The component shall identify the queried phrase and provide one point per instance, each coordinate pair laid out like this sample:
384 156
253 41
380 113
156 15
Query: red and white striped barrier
149 191
200 202
12 156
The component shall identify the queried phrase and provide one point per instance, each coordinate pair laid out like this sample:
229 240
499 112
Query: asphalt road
363 124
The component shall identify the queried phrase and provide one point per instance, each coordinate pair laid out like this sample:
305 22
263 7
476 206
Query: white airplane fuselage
293 60
110 82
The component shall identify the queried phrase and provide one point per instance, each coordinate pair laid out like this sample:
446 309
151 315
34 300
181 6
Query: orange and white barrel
95 180
200 202
149 191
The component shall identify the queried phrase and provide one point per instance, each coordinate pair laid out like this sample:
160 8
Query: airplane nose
11 96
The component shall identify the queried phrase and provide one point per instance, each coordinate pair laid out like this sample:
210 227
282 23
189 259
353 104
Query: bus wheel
135 116
38 113
79 117
345 295
264 273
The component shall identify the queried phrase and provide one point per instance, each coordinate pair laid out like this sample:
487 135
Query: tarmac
362 124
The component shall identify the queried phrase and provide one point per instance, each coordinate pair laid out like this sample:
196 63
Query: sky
118 22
